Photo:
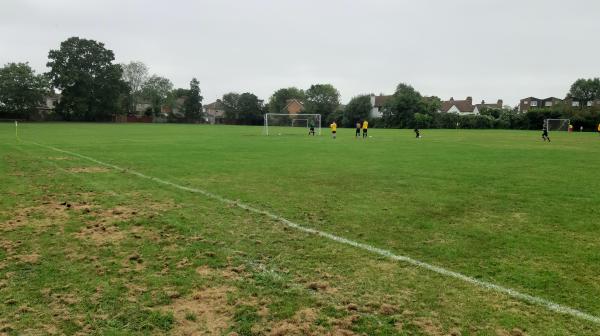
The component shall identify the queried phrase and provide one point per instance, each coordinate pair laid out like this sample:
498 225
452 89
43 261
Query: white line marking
555 307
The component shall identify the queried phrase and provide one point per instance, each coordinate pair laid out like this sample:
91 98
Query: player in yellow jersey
333 127
599 128
365 128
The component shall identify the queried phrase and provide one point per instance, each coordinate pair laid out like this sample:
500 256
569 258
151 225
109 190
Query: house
214 112
142 107
531 102
577 103
49 103
466 107
177 108
462 107
293 106
45 110
484 105
377 104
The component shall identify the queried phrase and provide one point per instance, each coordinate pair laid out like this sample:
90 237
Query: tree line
94 88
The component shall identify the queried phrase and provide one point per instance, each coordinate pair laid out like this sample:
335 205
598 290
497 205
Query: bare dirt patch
40 216
101 234
102 229
209 308
91 169
26 258
303 323
428 326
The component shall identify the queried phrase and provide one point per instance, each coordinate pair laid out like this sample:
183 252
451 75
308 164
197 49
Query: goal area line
547 304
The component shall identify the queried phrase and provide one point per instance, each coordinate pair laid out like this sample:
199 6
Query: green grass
500 206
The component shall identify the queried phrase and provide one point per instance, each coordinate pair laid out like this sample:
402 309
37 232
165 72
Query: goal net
283 123
557 124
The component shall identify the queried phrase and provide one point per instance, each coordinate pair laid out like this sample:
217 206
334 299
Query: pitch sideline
552 306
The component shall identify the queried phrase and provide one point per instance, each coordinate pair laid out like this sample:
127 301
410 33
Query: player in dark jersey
545 136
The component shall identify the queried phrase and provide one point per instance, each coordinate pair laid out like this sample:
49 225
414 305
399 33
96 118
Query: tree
279 99
156 89
230 106
357 110
192 108
89 82
399 110
21 90
250 109
585 90
422 120
245 108
134 74
322 99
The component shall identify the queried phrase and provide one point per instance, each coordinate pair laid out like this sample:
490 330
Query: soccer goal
557 124
284 123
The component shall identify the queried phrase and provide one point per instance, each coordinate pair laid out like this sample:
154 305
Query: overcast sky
493 49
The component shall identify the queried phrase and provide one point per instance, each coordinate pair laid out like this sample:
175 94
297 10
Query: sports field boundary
549 305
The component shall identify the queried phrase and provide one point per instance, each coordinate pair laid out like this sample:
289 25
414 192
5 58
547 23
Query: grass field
93 250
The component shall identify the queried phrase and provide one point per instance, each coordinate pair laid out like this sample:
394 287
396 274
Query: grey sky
485 49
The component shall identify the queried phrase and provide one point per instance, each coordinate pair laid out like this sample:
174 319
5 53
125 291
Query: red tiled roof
380 100
218 105
461 105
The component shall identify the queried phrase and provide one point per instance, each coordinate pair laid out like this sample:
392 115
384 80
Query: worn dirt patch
303 323
41 216
26 258
209 308
101 234
91 169
59 158
513 332
428 326
102 229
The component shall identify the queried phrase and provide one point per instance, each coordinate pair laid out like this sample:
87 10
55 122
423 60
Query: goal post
278 123
557 124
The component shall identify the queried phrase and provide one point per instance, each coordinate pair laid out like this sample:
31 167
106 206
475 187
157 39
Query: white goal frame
546 124
294 117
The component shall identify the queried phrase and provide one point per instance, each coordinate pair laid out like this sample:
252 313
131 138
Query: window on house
534 103
548 103
526 102
575 103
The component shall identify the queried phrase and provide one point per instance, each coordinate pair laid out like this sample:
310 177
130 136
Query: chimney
470 100
451 98
483 102
500 102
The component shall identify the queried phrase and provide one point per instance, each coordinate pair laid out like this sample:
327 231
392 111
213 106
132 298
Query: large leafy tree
279 99
156 89
250 109
192 108
230 106
245 108
400 109
357 110
585 90
21 90
89 82
322 99
135 75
